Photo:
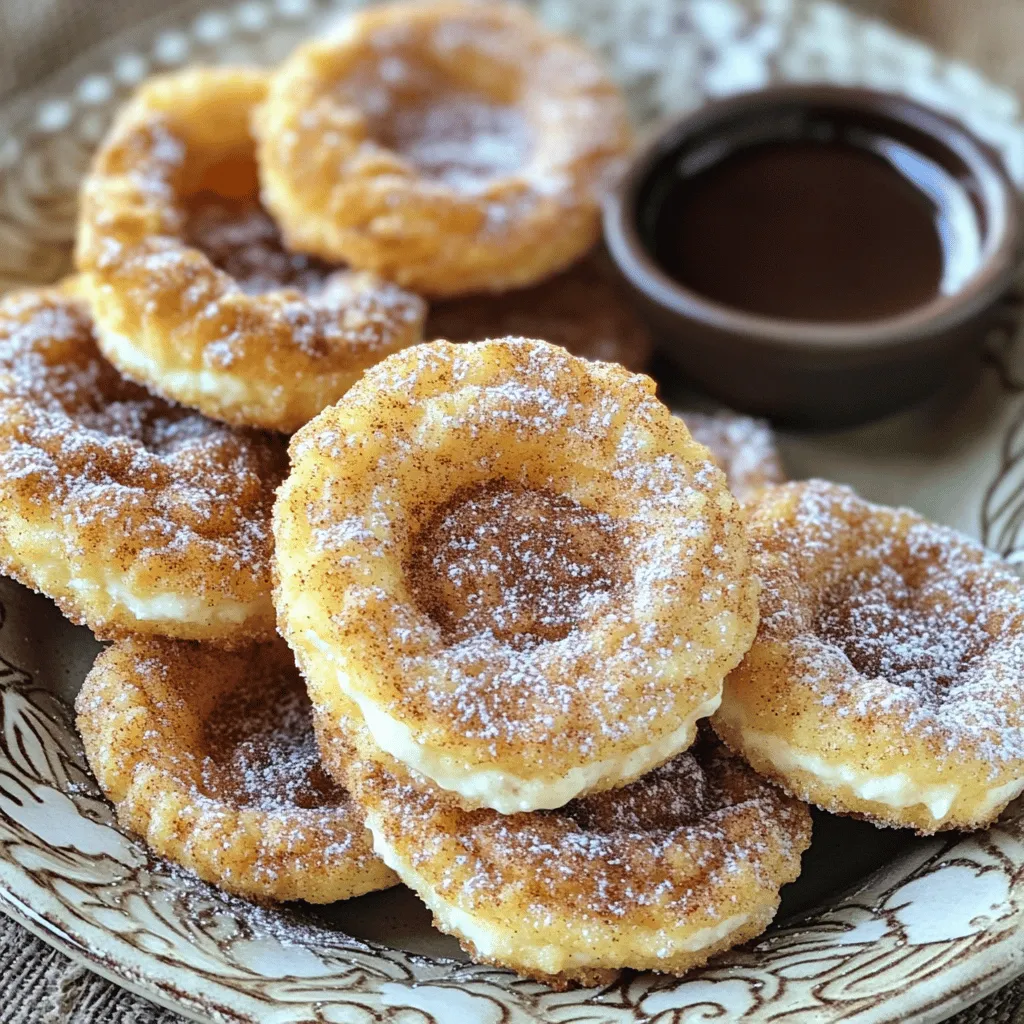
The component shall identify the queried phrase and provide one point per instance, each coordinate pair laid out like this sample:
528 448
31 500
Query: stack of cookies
566 666
512 607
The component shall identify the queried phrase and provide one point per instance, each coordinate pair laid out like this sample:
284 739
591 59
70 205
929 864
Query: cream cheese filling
507 792
225 387
496 942
177 607
41 547
895 789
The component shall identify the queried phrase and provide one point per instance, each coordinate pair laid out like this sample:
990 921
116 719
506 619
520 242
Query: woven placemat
38 985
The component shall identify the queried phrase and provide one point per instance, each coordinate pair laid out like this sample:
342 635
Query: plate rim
153 991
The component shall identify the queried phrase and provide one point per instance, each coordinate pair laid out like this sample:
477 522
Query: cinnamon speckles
521 560
132 513
890 649
240 238
523 565
660 874
672 795
260 750
453 147
194 293
210 756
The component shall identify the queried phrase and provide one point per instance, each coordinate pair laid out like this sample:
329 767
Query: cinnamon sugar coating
585 310
193 291
210 757
660 875
453 147
885 677
518 564
134 515
743 448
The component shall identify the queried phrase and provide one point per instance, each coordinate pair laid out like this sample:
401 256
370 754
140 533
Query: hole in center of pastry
525 565
673 795
240 238
261 749
908 635
462 139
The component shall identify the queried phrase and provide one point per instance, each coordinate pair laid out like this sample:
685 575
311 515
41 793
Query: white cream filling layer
507 792
42 545
497 943
897 790
999 796
225 387
177 607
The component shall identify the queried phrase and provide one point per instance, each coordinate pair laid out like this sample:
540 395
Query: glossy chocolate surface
836 230
814 254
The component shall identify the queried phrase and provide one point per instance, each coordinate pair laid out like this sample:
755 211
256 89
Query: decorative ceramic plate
880 927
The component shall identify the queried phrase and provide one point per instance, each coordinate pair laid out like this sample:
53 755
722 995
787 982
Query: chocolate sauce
841 226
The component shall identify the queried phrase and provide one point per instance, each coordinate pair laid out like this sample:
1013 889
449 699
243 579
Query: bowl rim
944 313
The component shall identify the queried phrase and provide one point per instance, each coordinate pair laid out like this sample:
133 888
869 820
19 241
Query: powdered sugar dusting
262 750
672 795
341 312
241 239
173 229
743 448
890 614
658 598
690 838
126 473
523 565
449 132
462 140
210 755
478 100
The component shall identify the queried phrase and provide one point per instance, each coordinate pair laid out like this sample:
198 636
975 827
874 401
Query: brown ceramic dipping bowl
802 372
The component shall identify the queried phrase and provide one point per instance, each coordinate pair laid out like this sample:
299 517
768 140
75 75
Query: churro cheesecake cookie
659 875
885 677
193 291
209 755
133 514
453 147
519 566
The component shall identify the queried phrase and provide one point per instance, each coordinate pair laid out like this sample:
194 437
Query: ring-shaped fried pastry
453 147
518 564
193 294
210 756
659 875
743 448
585 310
134 515
885 678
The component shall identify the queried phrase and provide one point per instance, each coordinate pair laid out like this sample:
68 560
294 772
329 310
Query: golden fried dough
660 875
452 147
134 515
210 756
885 678
518 564
193 293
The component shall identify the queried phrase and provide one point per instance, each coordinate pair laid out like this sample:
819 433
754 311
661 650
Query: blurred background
986 33
36 35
